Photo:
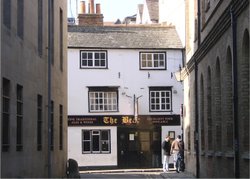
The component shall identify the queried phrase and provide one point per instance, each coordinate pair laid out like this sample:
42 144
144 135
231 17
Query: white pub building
123 97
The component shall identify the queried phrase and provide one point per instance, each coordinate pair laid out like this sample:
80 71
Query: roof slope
123 37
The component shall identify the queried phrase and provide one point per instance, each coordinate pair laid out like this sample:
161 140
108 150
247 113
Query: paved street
134 173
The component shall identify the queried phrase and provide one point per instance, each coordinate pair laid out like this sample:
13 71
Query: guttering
235 93
50 38
196 95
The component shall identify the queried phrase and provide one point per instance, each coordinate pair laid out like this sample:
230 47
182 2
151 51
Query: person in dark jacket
166 146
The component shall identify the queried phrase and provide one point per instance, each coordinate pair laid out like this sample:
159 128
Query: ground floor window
96 141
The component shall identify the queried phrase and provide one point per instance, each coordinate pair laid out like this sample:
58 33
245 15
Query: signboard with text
126 120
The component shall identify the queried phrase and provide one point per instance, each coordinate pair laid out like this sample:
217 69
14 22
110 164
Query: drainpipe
49 82
196 97
235 95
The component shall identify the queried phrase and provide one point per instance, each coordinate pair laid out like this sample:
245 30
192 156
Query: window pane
97 63
105 135
97 56
90 63
84 55
105 146
95 143
149 63
103 64
84 62
103 56
86 146
156 57
161 63
86 135
90 55
161 56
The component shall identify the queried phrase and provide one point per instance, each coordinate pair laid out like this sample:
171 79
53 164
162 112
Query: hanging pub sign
126 120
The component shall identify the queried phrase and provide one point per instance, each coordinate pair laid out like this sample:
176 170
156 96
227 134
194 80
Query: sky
111 9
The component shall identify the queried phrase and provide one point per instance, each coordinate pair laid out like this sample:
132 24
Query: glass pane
161 64
157 106
155 56
163 106
105 135
143 56
161 56
90 63
86 146
103 64
153 107
149 63
97 63
84 62
90 55
95 143
149 57
97 56
143 64
168 106
105 146
86 135
103 56
84 55
155 63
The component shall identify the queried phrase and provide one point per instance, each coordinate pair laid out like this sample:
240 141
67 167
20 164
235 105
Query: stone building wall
216 125
25 64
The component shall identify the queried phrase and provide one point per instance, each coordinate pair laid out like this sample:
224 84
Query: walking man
166 146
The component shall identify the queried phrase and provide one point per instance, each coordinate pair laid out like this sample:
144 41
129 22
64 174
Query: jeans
166 163
175 155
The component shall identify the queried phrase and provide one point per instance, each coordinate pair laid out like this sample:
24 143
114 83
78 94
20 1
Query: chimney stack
92 6
98 8
82 8
91 18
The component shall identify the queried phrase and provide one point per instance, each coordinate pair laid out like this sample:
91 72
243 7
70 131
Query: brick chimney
91 18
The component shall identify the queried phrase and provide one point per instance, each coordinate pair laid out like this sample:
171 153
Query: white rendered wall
75 148
132 81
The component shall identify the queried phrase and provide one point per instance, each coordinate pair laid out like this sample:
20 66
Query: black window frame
39 122
102 91
19 118
94 53
153 53
94 135
161 89
61 137
6 99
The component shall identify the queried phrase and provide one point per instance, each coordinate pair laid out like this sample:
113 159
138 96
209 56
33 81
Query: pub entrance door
134 147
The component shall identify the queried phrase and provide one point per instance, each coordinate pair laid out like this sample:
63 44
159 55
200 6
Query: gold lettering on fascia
130 120
109 120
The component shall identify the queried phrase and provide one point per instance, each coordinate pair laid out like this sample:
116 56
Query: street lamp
178 75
